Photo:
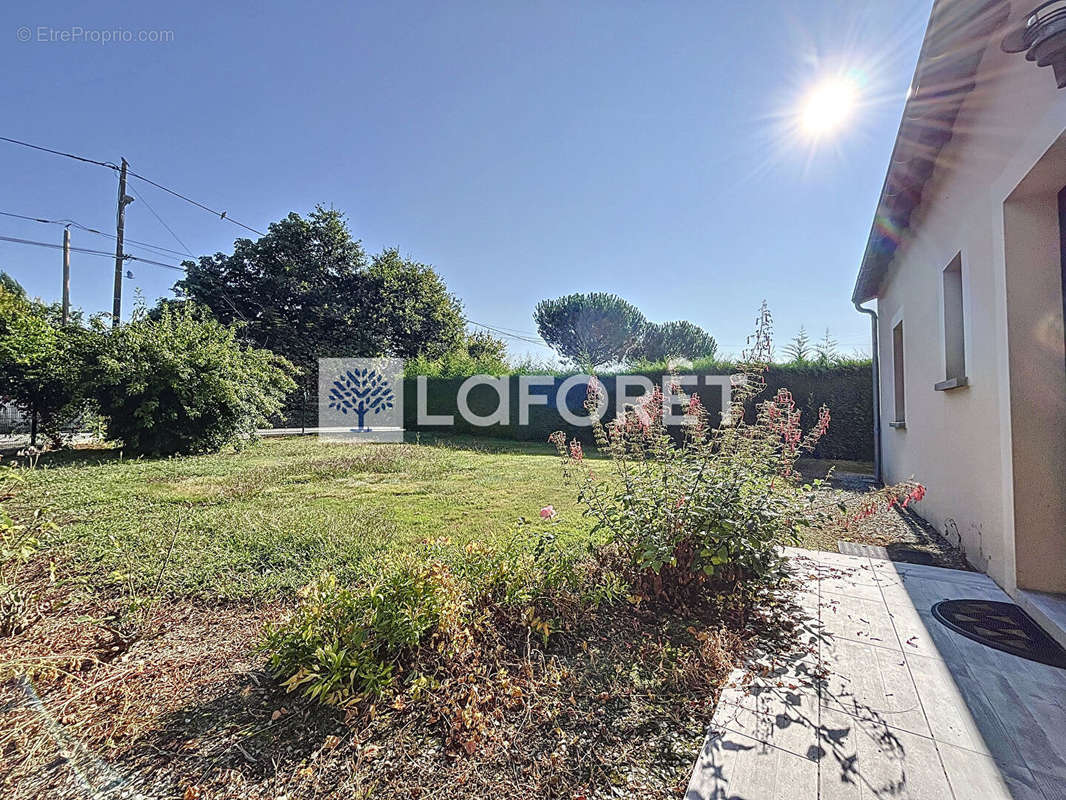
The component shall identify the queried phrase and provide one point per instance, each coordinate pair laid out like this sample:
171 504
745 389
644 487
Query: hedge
845 388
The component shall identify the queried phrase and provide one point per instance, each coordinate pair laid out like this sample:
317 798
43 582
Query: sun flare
828 106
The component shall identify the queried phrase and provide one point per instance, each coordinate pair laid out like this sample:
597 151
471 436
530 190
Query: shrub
712 504
342 643
183 383
42 363
478 354
432 615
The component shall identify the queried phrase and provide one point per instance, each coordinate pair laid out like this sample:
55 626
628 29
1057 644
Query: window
899 394
954 328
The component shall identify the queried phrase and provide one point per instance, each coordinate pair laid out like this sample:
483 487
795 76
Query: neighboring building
966 260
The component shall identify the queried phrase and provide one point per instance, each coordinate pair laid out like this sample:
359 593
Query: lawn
159 577
198 554
261 522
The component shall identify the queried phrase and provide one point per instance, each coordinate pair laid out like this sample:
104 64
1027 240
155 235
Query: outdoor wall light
1043 35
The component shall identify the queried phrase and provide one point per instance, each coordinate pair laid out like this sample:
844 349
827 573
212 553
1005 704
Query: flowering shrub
714 503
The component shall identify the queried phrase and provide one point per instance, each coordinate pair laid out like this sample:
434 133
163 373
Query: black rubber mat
1003 626
908 555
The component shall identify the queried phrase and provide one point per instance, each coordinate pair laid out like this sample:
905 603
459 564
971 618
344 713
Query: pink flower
548 512
576 452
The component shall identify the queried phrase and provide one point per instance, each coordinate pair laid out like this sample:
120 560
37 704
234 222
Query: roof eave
958 34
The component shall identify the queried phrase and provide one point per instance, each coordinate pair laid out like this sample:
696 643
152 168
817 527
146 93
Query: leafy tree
798 350
410 309
182 383
298 290
826 350
11 285
483 345
306 290
590 329
681 339
41 363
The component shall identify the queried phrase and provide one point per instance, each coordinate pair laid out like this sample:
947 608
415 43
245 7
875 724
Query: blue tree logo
361 391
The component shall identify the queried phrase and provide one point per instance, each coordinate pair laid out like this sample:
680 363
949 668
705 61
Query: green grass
265 520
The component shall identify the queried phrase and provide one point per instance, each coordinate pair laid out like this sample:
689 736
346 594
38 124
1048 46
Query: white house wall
958 442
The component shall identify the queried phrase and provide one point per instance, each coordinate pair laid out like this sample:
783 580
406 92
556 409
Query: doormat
907 555
1003 626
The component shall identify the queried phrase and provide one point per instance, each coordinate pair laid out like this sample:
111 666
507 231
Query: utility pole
123 200
66 275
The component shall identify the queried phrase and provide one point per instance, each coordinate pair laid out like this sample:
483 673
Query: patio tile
973 775
1054 787
783 726
851 583
859 620
926 592
734 765
887 700
1037 727
865 760
920 571
874 684
959 712
912 625
802 673
981 659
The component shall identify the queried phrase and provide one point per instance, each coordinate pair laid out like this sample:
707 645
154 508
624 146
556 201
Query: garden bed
208 550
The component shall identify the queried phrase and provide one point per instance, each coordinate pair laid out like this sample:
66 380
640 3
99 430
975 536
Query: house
966 261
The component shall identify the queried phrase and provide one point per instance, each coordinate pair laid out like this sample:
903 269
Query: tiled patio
883 701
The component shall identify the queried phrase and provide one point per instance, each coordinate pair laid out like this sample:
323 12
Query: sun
828 106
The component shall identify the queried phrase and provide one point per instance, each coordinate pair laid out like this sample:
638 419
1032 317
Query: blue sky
525 149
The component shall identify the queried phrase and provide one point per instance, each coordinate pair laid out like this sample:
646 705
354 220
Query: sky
524 149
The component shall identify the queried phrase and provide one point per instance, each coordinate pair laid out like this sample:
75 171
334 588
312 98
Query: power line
161 222
107 164
220 214
501 332
85 250
91 252
87 229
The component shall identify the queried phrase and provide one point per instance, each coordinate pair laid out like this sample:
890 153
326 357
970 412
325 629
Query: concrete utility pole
123 200
66 275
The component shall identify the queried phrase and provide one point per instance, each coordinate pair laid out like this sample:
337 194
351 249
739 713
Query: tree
798 350
590 329
182 382
306 291
826 350
298 291
410 309
681 339
482 345
11 285
41 363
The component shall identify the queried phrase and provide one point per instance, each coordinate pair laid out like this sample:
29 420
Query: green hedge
845 388
848 391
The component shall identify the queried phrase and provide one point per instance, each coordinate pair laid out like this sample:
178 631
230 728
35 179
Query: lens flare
828 106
